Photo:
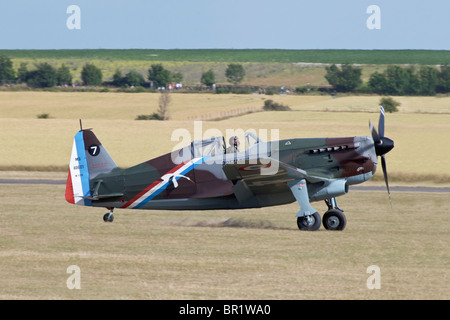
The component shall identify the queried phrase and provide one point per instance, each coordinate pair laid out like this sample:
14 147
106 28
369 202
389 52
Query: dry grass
196 255
45 144
126 106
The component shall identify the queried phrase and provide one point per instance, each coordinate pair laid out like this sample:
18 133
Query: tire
108 218
334 220
309 223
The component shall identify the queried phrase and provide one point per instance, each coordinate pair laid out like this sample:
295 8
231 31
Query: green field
423 57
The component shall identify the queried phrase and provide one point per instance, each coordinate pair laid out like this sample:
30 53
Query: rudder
89 159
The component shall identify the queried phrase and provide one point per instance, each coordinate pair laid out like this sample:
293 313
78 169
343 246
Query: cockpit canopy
209 147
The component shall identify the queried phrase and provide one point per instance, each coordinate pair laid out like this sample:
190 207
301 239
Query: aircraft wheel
309 223
108 217
334 220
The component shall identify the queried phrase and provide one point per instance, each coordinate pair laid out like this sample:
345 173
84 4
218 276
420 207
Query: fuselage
177 181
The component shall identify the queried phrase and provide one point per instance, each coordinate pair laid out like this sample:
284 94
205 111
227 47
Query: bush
301 90
269 105
43 116
220 90
389 104
153 116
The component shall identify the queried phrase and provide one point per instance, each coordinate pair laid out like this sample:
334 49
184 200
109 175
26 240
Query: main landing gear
308 218
310 222
333 219
109 217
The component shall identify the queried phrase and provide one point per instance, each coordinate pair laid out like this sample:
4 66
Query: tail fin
89 159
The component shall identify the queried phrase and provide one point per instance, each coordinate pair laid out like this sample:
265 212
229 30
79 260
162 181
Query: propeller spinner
382 145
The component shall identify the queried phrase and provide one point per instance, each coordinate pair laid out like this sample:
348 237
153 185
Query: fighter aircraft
203 176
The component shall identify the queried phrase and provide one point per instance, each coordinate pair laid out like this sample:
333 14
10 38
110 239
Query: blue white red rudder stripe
89 159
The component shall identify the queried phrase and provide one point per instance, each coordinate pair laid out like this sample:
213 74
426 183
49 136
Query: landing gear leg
334 218
109 217
309 223
307 217
332 204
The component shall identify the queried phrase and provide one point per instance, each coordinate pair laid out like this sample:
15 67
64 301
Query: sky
225 24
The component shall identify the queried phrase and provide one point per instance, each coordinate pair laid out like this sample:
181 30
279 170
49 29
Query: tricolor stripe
79 172
161 184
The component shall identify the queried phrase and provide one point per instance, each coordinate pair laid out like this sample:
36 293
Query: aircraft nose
384 146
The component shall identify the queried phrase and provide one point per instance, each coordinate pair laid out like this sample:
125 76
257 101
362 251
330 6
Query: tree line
45 75
395 80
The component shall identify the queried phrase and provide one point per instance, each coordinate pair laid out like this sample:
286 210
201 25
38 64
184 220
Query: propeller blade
383 165
381 122
375 136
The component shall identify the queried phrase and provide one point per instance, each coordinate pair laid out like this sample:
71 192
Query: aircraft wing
265 176
268 169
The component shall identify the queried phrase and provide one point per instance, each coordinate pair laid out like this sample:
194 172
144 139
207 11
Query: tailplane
89 159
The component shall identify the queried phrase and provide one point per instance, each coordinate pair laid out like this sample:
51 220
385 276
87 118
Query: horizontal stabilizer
104 196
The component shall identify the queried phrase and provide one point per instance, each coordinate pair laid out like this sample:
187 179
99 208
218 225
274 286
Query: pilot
234 145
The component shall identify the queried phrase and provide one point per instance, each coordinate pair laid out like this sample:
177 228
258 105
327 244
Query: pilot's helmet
234 141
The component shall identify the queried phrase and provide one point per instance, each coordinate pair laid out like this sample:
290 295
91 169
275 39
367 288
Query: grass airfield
248 254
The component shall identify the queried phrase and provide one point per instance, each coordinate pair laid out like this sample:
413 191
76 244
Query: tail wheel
309 223
108 217
334 220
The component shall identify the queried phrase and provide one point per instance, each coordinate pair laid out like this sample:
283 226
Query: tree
428 81
235 73
378 83
443 85
63 75
159 76
208 78
117 78
401 81
163 105
411 83
177 77
395 80
344 80
43 77
389 104
134 78
91 75
22 72
7 72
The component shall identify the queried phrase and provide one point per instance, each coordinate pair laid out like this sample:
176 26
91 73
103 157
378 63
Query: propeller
382 146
